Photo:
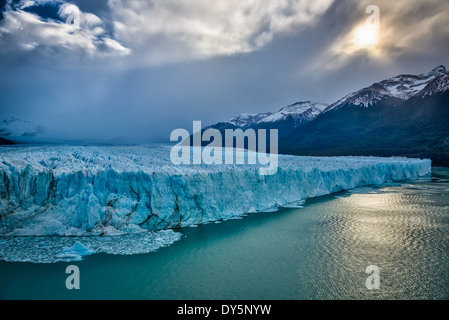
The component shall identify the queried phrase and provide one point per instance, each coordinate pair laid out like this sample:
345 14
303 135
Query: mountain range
286 120
13 128
407 115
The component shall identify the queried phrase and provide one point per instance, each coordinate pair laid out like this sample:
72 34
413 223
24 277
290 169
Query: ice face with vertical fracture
78 191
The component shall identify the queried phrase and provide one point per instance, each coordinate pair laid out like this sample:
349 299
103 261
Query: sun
366 36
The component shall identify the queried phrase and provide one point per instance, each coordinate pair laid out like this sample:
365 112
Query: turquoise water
318 252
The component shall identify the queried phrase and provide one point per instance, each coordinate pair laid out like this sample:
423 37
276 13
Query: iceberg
118 190
75 252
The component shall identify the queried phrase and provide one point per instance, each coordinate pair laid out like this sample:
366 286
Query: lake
320 251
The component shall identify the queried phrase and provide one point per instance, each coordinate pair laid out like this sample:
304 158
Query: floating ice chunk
295 205
75 252
252 210
272 209
55 249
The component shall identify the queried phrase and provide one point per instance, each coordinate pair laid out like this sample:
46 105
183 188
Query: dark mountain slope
417 127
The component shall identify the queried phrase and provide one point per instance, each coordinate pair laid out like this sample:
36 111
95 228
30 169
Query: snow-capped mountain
302 111
245 119
299 111
407 115
13 127
285 120
402 87
438 84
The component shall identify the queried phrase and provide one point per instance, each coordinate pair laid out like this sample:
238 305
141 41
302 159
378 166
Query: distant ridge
286 119
4 142
406 115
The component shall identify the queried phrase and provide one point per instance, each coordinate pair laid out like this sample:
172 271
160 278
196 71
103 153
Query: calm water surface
318 252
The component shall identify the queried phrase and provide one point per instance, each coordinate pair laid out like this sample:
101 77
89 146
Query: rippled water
320 251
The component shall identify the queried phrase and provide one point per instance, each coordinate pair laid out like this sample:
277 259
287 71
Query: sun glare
366 36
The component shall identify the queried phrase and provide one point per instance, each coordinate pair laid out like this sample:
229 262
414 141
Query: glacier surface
111 190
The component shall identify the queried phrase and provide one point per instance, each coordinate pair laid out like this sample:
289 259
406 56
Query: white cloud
163 31
27 4
158 31
81 35
171 30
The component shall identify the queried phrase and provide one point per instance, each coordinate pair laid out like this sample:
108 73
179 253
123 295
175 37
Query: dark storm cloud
155 66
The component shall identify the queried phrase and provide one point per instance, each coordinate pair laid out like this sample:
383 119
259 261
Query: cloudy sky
134 70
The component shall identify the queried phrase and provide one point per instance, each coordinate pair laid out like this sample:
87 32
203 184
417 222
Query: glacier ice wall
76 191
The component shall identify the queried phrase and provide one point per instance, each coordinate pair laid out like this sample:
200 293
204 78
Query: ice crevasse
76 191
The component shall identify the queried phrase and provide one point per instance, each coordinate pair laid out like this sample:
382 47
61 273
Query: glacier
80 191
